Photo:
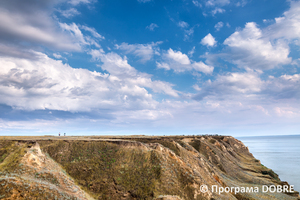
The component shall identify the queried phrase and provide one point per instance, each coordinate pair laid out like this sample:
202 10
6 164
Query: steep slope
27 173
136 167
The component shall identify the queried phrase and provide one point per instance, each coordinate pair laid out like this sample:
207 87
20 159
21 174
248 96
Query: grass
168 143
100 167
11 160
130 169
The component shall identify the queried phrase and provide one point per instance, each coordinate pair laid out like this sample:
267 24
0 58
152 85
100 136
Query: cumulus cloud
180 62
179 57
121 70
287 26
283 87
266 48
209 40
48 84
45 83
144 51
250 48
152 26
249 85
231 84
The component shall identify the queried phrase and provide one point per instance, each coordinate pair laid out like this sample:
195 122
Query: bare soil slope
132 167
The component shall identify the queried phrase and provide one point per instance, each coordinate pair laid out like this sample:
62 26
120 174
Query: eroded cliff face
137 167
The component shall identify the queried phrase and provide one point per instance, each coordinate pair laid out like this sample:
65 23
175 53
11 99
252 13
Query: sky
171 67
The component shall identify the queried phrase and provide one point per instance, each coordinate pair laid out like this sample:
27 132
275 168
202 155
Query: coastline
278 152
134 167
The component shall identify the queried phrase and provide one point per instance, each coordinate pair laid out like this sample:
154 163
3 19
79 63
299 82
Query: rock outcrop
137 167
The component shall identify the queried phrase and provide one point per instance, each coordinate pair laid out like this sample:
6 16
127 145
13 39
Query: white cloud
192 51
249 86
217 10
217 6
69 13
287 26
45 83
183 24
78 37
143 1
144 51
152 26
57 56
267 21
74 30
188 33
209 40
178 57
219 25
197 3
196 87
36 28
202 67
283 87
119 67
231 84
76 2
269 47
163 65
93 32
217 2
15 51
180 62
241 3
251 49
49 84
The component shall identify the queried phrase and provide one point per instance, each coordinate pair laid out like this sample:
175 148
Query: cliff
133 167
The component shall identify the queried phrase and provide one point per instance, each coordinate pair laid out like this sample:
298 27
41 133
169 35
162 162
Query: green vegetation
168 143
131 168
10 155
101 167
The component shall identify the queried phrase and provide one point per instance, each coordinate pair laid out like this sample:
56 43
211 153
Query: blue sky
88 67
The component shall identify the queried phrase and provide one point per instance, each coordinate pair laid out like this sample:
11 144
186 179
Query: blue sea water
279 153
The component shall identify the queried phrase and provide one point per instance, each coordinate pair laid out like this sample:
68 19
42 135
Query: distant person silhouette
58 134
64 134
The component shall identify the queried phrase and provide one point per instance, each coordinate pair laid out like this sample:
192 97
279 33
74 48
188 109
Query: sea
279 153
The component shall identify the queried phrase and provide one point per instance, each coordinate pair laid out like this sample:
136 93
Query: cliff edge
134 167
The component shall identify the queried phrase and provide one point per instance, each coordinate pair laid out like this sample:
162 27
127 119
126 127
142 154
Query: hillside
131 167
